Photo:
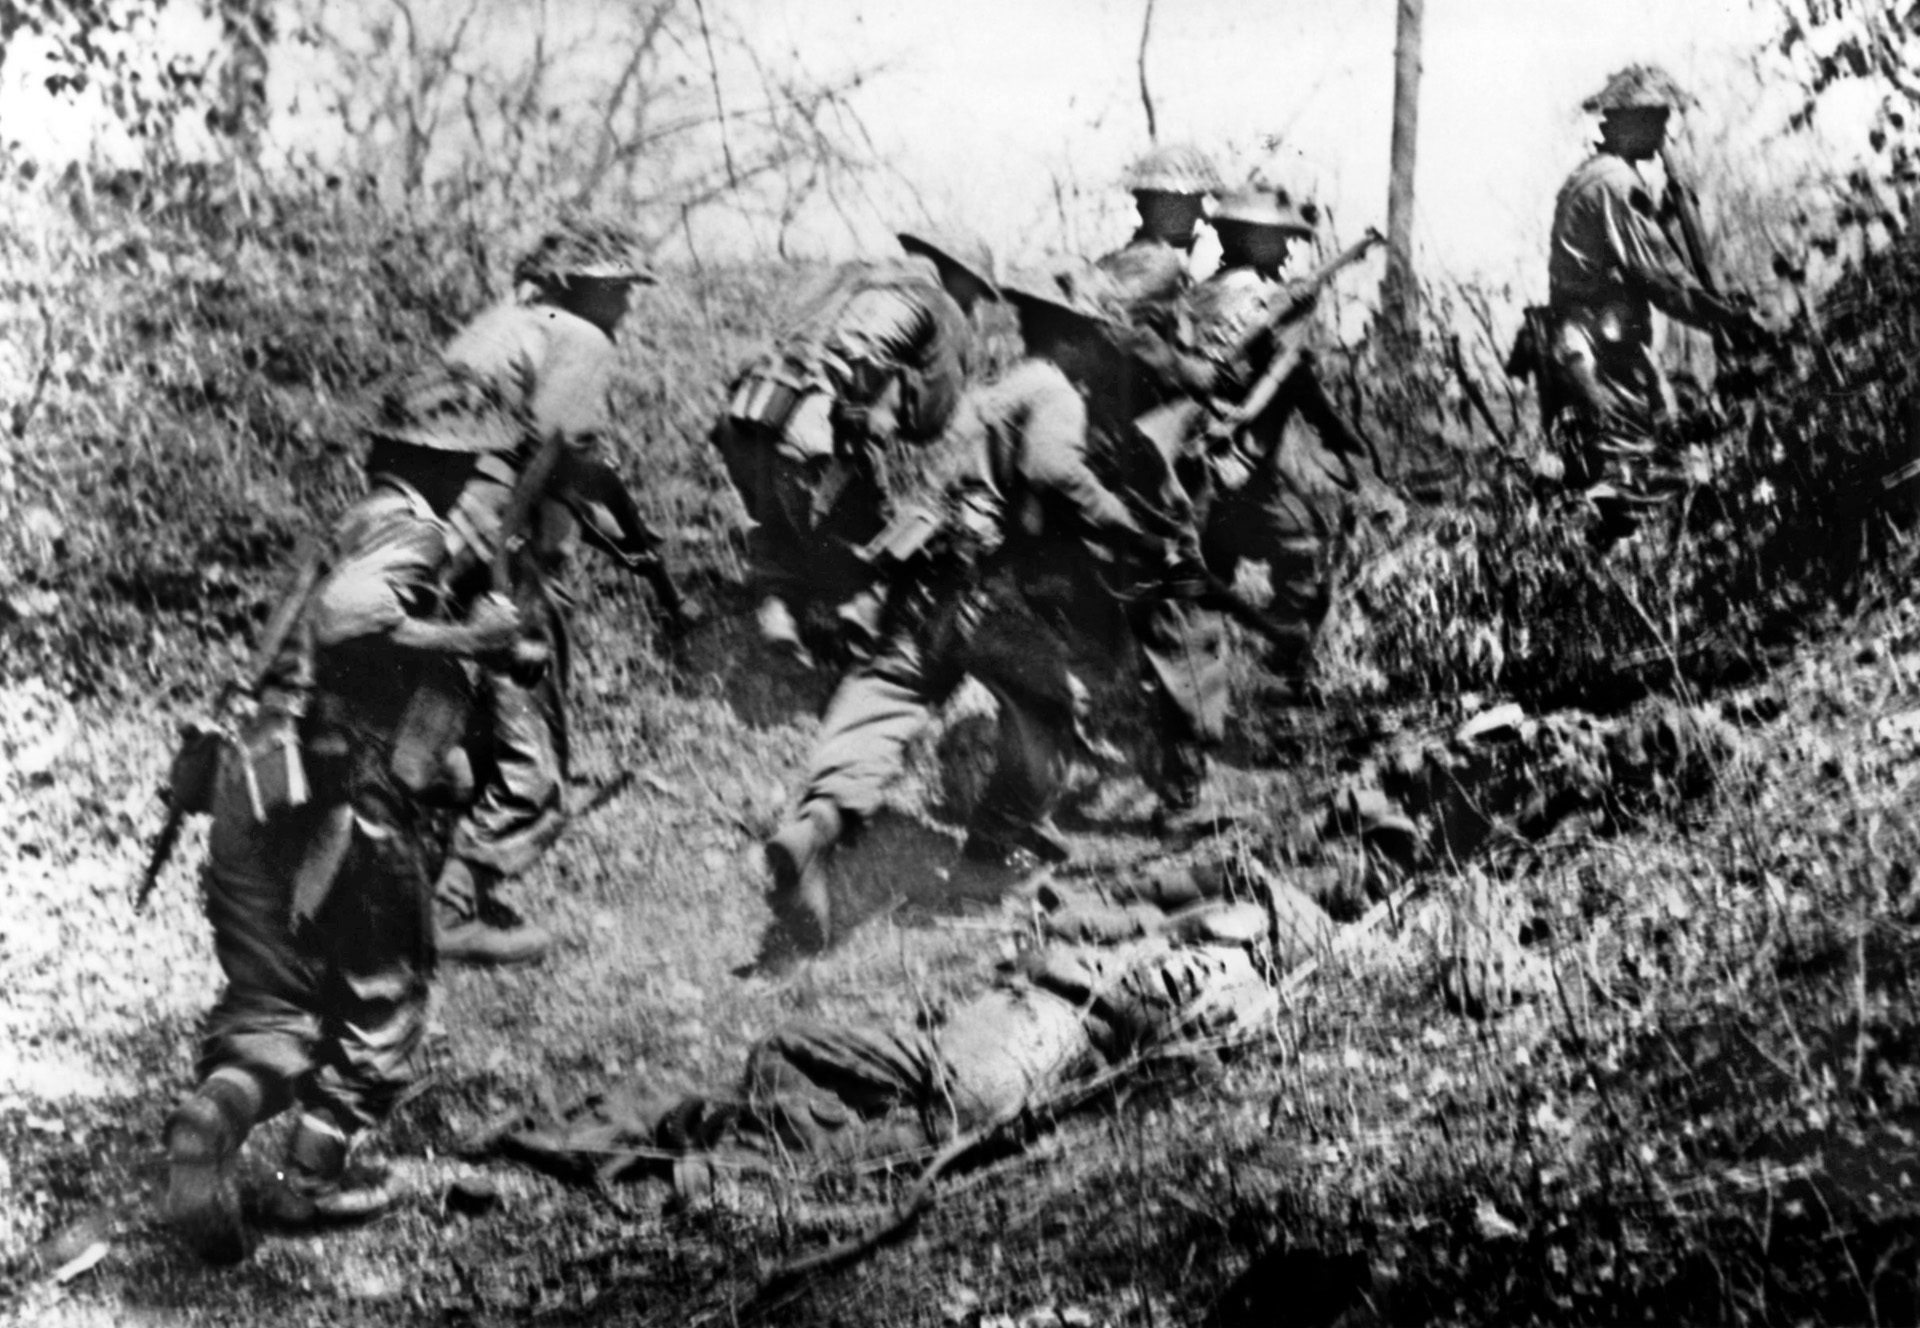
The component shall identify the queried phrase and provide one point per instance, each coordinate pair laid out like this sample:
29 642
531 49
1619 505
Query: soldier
1046 539
317 879
523 371
1279 471
810 425
1610 265
1170 187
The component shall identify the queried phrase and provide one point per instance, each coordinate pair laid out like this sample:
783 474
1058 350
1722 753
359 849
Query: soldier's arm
1651 267
1055 460
386 589
934 374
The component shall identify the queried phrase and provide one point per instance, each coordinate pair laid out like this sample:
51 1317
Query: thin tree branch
1146 94
713 69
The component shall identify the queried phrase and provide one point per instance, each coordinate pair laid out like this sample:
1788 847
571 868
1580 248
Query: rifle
1170 426
191 773
1686 211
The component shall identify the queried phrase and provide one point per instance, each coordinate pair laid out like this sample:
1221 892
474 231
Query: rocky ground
1688 1089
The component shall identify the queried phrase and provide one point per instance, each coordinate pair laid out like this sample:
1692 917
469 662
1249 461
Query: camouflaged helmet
1084 303
1175 168
584 247
1264 206
969 253
1638 88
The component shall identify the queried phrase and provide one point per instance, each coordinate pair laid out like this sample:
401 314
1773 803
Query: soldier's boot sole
799 899
202 1202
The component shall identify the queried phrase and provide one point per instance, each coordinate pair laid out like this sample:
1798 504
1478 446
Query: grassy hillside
1699 1106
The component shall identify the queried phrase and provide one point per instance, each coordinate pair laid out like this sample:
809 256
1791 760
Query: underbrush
186 401
1706 1114
1796 504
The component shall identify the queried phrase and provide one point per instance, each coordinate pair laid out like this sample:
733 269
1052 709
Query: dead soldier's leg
842 1093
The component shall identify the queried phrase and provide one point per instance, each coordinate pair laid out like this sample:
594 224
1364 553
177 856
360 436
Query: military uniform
809 426
1023 633
519 373
1282 484
320 900
1030 629
1610 265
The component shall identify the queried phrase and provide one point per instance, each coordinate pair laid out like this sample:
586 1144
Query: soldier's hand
496 625
1231 470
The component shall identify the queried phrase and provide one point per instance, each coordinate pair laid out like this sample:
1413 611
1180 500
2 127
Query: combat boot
471 925
780 631
860 620
796 857
202 1203
320 1186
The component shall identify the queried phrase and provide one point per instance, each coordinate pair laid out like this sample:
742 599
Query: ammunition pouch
912 537
195 771
271 764
767 394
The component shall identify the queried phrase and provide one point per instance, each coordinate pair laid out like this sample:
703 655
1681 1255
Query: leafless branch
1146 94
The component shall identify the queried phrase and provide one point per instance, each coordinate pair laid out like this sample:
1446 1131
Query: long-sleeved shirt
889 325
1607 248
515 368
1030 440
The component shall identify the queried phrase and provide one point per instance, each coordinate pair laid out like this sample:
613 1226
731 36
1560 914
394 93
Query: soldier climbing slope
811 424
1283 470
1170 187
317 879
527 371
1610 266
1024 603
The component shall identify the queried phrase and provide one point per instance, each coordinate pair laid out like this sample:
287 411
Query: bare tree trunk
1146 95
1400 301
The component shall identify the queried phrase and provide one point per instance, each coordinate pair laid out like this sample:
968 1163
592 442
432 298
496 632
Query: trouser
1610 430
1270 521
811 514
854 1092
329 1012
1027 651
521 734
1183 647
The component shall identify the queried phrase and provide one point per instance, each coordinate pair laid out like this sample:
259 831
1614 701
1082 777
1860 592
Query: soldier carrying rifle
1610 266
1039 541
525 372
318 877
1273 470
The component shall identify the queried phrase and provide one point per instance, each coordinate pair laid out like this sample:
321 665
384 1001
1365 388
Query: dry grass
1701 1118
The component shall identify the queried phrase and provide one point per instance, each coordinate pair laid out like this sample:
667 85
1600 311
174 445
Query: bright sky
991 104
1015 117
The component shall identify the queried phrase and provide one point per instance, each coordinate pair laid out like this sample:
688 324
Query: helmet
589 247
1175 168
1638 87
967 252
1256 204
1084 302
